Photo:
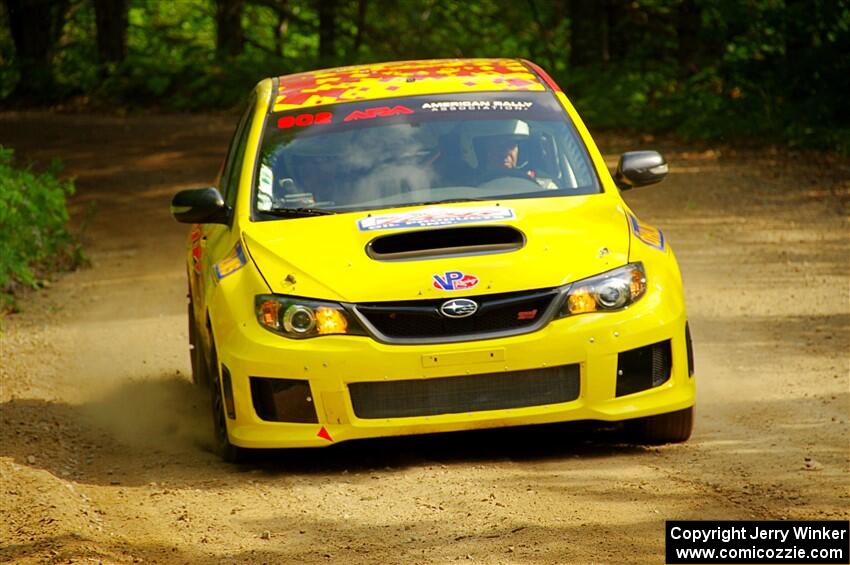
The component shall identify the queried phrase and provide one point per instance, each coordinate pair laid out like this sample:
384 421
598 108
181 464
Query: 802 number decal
303 120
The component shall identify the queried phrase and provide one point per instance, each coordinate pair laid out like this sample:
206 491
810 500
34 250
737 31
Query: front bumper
330 364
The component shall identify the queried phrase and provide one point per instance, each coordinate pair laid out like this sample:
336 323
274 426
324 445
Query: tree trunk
36 26
327 32
616 14
688 23
362 6
230 40
282 27
111 22
587 45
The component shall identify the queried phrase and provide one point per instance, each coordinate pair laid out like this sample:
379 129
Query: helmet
482 135
501 128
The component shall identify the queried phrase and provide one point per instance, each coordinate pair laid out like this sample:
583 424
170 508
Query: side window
229 185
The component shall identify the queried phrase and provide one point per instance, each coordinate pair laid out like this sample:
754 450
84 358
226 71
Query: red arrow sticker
323 433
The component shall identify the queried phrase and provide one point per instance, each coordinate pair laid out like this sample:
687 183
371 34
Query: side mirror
200 206
640 168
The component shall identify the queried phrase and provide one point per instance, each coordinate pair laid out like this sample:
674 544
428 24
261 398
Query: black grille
643 368
283 400
512 311
473 393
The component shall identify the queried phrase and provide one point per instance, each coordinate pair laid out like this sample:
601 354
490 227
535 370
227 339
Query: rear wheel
221 441
674 427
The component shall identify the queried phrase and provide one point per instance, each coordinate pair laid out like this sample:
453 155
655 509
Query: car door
218 240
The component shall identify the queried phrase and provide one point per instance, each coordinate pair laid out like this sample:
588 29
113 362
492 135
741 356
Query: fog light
299 319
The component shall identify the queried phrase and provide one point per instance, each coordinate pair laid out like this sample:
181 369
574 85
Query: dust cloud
167 413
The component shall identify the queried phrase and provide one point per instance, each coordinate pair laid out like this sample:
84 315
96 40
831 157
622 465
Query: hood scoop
445 242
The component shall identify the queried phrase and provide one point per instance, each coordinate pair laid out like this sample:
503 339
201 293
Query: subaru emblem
459 308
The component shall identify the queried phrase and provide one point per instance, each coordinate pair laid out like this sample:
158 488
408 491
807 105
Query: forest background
724 70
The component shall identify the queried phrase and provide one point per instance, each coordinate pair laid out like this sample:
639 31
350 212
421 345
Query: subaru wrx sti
428 246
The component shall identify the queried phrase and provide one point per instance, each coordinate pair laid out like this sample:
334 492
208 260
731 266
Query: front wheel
221 441
674 427
196 355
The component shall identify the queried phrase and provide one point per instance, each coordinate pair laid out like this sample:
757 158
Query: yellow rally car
428 246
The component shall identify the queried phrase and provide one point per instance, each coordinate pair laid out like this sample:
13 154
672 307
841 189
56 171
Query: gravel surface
104 455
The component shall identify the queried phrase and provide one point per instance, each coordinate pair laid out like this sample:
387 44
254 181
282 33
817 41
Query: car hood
564 239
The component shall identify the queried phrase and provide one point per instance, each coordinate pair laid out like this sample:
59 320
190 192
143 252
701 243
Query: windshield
417 150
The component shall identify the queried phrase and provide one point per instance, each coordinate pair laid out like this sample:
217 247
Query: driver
500 153
497 151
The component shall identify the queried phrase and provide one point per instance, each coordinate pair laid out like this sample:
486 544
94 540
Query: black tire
221 441
196 355
674 427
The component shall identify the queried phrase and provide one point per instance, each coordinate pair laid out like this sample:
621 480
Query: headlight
609 291
300 318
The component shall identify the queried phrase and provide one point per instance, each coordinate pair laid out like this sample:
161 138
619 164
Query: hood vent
445 242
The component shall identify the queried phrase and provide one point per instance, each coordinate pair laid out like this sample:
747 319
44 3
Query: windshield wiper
298 212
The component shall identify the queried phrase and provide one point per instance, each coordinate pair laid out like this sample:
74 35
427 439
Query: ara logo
379 112
454 280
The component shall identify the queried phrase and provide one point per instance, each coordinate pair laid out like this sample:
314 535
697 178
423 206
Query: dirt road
103 441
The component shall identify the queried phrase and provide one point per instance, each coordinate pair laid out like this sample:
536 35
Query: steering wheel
520 183
502 173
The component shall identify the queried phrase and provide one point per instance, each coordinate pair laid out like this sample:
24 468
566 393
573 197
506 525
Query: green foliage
765 69
35 239
76 53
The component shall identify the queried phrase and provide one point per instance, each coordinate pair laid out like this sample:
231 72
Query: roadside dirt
103 441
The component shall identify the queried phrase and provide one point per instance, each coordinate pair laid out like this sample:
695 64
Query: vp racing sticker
454 280
651 236
234 261
434 217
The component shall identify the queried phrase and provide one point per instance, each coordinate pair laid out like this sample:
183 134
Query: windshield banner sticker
651 236
455 105
434 217
454 280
